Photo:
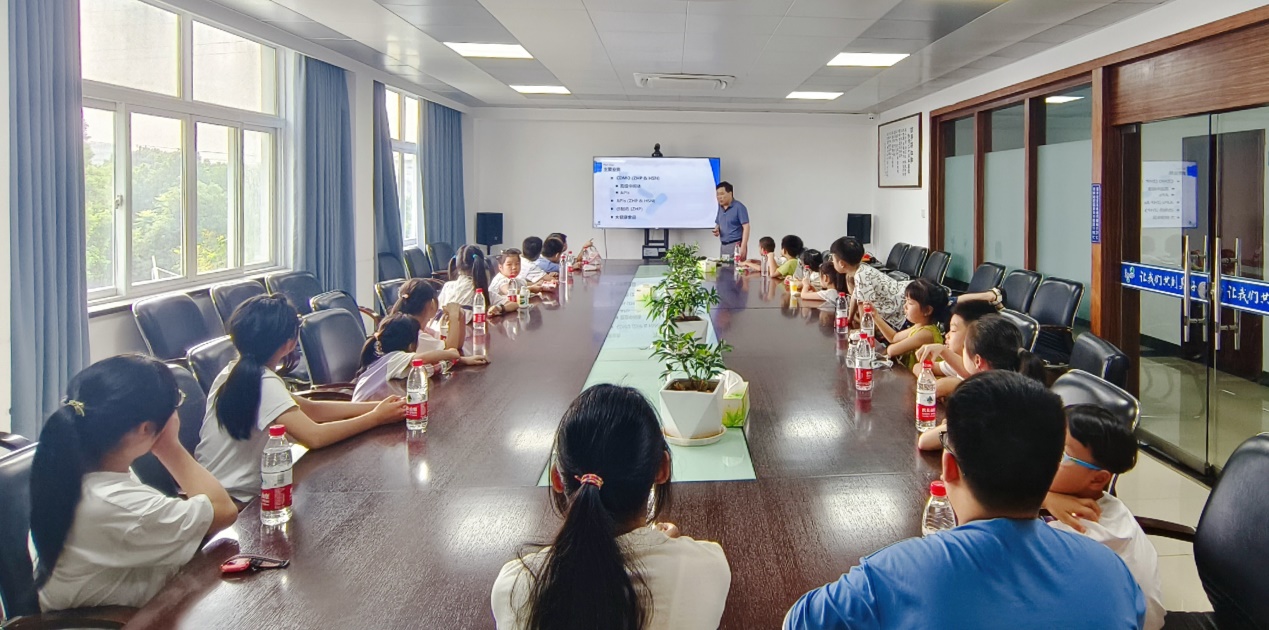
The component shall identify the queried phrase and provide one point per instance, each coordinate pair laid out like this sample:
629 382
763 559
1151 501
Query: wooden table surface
396 533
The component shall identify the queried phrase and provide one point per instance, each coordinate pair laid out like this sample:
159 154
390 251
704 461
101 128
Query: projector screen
639 192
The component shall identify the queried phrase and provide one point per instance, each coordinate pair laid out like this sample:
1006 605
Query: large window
405 121
181 131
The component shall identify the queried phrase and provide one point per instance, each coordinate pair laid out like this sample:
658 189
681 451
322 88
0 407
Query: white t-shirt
373 384
501 287
1118 530
236 463
530 271
687 579
461 291
126 541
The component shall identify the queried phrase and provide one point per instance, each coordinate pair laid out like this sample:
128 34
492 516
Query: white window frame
124 102
412 148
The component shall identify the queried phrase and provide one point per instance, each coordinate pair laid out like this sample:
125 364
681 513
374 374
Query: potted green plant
679 301
691 410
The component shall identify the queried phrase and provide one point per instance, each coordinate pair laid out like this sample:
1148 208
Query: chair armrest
97 617
333 391
1056 328
1167 529
374 317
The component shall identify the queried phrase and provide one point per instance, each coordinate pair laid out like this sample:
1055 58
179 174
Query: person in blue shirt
732 224
552 248
1002 567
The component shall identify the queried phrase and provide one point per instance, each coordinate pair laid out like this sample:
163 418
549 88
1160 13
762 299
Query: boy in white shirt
1098 447
530 271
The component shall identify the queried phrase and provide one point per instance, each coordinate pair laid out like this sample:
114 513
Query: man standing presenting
732 225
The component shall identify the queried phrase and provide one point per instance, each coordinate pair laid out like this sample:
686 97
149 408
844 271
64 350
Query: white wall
906 210
797 173
6 348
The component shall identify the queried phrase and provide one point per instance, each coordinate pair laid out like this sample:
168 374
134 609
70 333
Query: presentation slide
638 192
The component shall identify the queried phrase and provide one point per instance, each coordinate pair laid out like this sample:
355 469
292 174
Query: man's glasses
943 443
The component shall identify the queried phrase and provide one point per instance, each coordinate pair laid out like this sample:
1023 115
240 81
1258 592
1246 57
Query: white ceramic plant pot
698 326
691 415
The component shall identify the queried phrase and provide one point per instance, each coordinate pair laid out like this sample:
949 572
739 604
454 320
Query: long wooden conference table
390 532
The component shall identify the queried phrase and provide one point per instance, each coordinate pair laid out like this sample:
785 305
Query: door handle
1216 294
1185 291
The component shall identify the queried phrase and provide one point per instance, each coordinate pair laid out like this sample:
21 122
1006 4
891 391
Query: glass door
1193 277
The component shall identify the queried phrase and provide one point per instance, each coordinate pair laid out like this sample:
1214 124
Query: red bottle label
416 411
278 496
841 323
479 318
863 376
925 413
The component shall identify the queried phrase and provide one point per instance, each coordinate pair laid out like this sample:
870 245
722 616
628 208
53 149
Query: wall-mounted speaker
489 228
859 227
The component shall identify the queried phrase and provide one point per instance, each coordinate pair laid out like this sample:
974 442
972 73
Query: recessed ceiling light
871 60
496 51
541 89
1058 100
814 96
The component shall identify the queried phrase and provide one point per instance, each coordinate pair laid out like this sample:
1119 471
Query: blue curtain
443 207
324 220
49 297
388 238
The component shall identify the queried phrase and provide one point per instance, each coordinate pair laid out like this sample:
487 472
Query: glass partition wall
1004 217
1064 177
958 196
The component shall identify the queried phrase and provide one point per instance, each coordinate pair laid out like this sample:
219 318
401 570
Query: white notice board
899 153
1169 194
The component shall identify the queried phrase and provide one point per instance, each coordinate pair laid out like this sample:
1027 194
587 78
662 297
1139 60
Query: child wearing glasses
1098 447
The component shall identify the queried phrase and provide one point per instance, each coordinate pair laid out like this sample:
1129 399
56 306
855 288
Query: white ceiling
772 47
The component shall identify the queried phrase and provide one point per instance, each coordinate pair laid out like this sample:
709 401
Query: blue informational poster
665 192
1097 213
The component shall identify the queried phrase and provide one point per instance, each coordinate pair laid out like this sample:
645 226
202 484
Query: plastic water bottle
275 478
478 312
416 397
523 296
867 325
863 364
925 390
843 319
938 511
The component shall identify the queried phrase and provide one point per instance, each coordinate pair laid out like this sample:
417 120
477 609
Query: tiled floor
1156 490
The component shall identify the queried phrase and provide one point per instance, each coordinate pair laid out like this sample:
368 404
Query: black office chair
935 268
417 263
1019 287
171 325
298 286
387 293
1078 387
895 256
1230 543
439 254
332 342
390 267
208 359
1100 357
228 296
1054 306
986 277
341 300
18 597
12 442
191 413
1029 328
913 261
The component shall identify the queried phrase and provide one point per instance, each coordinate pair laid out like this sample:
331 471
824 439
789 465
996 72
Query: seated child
947 358
832 282
532 251
552 251
925 306
811 261
1098 447
766 245
792 248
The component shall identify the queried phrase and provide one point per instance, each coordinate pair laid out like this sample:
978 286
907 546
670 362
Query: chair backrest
936 266
1098 356
913 260
208 360
896 255
390 267
417 263
191 412
17 582
1079 387
1055 302
332 342
986 277
337 299
1019 287
298 286
439 253
228 296
1230 543
387 293
1029 328
171 325
12 442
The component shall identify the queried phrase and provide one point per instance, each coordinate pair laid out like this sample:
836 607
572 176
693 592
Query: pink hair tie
591 479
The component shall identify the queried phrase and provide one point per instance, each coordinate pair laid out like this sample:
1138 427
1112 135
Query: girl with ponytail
468 271
610 565
991 343
248 396
101 537
417 300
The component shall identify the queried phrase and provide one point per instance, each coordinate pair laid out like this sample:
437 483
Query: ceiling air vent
683 81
